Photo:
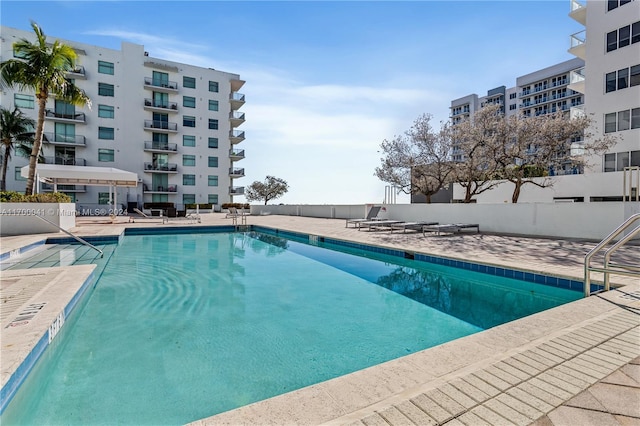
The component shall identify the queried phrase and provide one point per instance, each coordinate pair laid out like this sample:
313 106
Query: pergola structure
84 175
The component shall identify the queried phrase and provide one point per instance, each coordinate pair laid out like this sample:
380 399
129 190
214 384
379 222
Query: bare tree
270 189
551 142
419 160
478 140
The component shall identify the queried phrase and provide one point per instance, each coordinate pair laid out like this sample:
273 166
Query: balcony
539 88
577 80
236 154
78 117
236 136
64 161
160 85
68 140
236 190
540 101
578 44
578 12
64 188
77 73
236 99
236 84
160 168
163 147
148 188
236 118
153 105
162 126
235 172
577 112
557 83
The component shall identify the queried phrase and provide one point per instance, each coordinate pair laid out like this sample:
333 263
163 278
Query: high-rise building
174 124
610 81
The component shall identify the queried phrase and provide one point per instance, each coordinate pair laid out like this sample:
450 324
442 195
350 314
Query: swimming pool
181 327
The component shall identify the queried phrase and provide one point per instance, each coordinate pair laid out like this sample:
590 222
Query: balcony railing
236 99
578 44
161 125
58 139
236 172
540 101
77 117
236 190
236 118
236 136
77 72
65 161
172 85
160 146
152 103
578 12
539 88
236 153
147 187
166 167
557 83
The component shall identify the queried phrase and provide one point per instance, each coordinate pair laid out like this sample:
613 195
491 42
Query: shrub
236 205
205 206
47 197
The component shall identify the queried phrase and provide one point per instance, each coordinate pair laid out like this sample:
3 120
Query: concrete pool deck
575 364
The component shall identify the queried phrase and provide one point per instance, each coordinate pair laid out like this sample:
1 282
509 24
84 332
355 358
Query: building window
610 122
212 198
213 161
634 77
512 107
189 82
188 199
635 32
623 78
212 180
105 89
23 101
188 140
624 36
612 40
623 120
189 180
106 155
188 121
213 142
610 82
105 67
106 133
213 105
635 118
188 102
189 160
213 86
106 111
17 174
213 124
20 54
512 95
103 198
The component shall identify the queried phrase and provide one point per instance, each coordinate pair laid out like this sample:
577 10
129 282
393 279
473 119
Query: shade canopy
83 175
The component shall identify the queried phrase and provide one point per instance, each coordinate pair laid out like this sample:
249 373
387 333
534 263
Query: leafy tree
418 161
479 140
43 68
270 189
16 134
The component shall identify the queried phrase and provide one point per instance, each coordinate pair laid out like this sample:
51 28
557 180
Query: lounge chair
412 226
450 228
141 213
376 224
371 215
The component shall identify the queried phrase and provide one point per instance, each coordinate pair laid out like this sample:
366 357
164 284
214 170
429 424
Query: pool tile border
19 251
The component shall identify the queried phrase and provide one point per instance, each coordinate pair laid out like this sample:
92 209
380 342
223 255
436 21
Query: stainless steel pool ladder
609 268
80 240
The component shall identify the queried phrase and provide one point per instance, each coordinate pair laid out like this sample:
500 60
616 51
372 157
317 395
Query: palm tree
16 134
43 68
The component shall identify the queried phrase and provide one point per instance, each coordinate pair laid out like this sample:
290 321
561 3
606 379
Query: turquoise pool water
181 327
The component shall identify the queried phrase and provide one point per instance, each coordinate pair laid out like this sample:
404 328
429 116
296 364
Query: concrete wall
566 220
17 218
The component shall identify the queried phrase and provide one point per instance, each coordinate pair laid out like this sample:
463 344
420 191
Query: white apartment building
174 124
603 81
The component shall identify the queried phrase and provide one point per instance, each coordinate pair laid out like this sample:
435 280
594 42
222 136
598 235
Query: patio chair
371 215
376 224
450 228
412 226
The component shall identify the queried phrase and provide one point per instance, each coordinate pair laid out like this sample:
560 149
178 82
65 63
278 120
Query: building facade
174 124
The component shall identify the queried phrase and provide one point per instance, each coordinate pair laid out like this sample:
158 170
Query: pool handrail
80 240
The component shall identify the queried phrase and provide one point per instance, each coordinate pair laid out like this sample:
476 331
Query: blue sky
327 81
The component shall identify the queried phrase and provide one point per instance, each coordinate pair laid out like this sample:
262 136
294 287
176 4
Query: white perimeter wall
566 220
17 218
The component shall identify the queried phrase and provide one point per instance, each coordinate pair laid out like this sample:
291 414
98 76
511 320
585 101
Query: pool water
181 327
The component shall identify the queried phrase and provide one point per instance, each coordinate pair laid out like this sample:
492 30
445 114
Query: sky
327 81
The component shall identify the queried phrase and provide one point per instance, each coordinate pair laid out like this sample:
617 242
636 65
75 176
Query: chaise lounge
412 226
371 215
451 228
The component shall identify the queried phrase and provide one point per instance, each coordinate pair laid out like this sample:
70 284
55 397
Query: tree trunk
428 196
7 153
467 195
37 142
516 191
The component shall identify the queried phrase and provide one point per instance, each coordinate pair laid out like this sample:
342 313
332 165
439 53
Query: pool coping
225 228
